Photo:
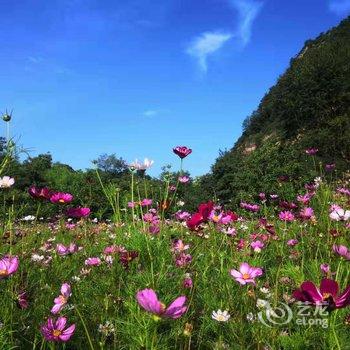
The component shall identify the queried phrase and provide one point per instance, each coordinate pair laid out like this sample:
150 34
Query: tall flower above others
136 165
6 182
55 330
148 300
61 198
326 295
246 273
182 151
8 266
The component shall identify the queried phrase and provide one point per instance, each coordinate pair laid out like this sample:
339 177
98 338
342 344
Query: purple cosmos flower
148 300
61 300
325 268
22 299
250 207
330 167
246 273
8 266
326 295
292 242
146 202
55 330
306 213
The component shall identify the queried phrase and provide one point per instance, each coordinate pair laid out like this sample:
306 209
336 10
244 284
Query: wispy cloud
340 7
247 10
207 44
150 113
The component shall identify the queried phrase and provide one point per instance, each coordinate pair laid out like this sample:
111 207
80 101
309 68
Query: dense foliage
308 107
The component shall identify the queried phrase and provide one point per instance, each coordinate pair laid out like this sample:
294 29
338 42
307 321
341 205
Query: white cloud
248 10
340 7
150 113
206 44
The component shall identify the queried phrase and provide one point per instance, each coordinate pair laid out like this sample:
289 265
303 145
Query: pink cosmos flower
148 300
55 330
182 151
342 251
286 216
63 250
61 198
179 246
187 282
8 266
246 274
262 196
94 261
146 202
114 249
306 213
311 151
184 179
344 191
250 207
257 246
61 300
6 182
78 212
292 242
325 268
22 300
182 215
183 259
327 294
132 204
304 199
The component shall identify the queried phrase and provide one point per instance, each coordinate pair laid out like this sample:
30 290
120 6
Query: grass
106 293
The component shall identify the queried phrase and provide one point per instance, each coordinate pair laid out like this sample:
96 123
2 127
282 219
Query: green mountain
308 107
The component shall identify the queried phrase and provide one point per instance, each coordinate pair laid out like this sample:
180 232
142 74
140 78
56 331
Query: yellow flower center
246 276
61 200
3 272
326 295
56 333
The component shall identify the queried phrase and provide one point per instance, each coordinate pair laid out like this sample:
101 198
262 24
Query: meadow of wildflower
268 274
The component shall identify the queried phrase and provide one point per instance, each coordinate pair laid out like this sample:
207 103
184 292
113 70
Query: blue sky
135 78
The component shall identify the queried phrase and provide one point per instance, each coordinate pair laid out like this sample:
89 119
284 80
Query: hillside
308 107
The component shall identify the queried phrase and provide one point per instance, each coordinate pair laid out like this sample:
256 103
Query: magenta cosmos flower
55 330
8 266
184 179
286 216
61 197
182 151
78 212
62 299
246 274
40 192
327 294
94 261
147 299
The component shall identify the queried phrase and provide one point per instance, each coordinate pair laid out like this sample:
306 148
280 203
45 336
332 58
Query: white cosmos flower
340 214
220 316
6 181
